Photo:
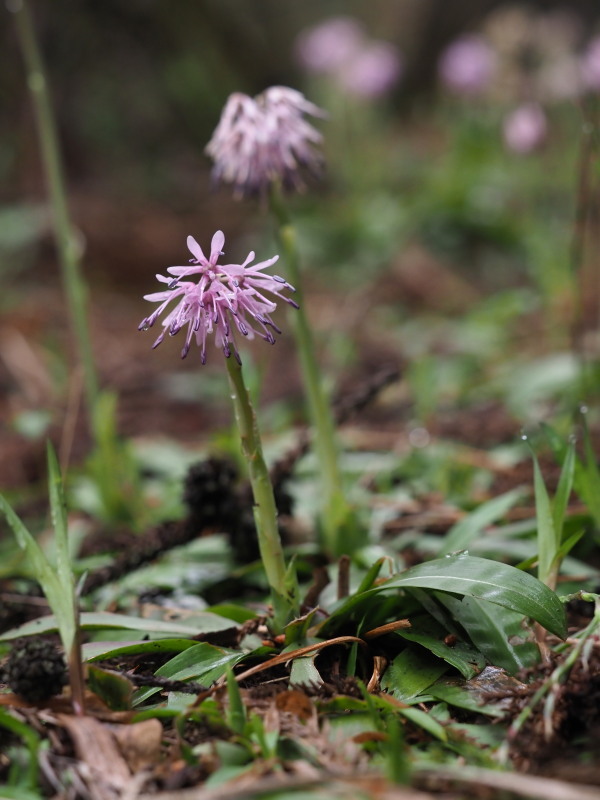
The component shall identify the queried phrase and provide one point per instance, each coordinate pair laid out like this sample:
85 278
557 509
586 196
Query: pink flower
265 140
525 128
590 65
339 47
330 45
224 293
467 65
373 71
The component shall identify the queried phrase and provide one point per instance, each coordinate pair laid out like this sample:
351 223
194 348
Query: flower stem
66 242
335 507
265 510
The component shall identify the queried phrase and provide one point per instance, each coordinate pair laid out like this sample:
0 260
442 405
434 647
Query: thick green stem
265 510
334 503
66 241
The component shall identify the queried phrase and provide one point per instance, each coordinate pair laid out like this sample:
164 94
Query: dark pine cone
215 501
209 494
35 669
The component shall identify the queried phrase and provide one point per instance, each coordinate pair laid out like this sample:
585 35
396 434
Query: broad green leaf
460 656
411 673
198 622
463 532
461 695
492 629
488 580
100 651
204 663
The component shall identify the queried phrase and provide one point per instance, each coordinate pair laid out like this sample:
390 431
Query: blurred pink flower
525 128
590 65
224 293
331 44
340 48
467 65
264 140
373 71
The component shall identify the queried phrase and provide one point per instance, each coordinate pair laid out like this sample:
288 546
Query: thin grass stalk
319 406
265 510
66 241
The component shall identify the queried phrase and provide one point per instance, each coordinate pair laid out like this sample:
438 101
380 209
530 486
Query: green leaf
114 689
371 575
32 742
425 721
58 512
204 663
411 673
100 651
462 695
198 622
488 580
236 711
547 536
563 490
58 596
304 672
491 628
461 656
463 532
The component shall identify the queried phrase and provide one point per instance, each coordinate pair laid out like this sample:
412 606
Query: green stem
265 510
66 242
335 507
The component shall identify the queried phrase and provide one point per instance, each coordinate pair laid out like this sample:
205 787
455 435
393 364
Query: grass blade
463 532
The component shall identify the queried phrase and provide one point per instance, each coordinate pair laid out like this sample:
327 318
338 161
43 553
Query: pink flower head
265 140
223 293
590 65
373 71
525 128
467 65
330 45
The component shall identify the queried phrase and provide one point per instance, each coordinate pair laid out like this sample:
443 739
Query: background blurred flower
590 65
330 45
223 294
264 140
467 65
525 128
373 71
340 48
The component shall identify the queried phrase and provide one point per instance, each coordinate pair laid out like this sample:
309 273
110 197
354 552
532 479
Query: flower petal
216 247
195 249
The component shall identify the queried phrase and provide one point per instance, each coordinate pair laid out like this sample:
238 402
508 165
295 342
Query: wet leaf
488 580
